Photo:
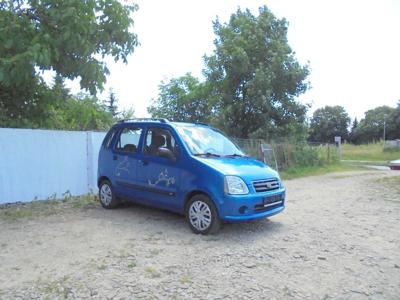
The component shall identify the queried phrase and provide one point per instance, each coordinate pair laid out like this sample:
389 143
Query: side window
108 139
129 140
158 138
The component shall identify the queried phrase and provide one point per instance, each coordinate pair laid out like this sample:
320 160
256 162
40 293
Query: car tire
202 216
107 196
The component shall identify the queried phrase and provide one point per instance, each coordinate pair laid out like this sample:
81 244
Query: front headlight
235 185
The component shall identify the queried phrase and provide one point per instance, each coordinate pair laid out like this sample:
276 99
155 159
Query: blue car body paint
167 183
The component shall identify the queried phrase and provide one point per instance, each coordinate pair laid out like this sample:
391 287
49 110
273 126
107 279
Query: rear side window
109 138
128 140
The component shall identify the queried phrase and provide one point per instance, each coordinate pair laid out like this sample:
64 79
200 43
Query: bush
289 155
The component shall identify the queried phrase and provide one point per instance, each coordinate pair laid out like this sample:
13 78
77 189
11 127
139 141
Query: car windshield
203 140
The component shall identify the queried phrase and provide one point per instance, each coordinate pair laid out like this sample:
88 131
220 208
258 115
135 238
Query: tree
328 122
112 103
70 38
255 77
60 91
371 126
81 112
352 134
183 99
393 123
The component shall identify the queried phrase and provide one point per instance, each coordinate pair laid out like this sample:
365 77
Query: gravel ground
339 238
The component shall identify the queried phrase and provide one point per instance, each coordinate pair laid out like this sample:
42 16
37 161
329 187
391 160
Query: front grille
261 186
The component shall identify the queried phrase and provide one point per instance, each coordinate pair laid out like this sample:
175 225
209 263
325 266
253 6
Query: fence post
89 161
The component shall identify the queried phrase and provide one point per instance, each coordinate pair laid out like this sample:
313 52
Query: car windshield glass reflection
208 142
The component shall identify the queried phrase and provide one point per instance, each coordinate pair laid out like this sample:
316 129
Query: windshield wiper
207 154
235 155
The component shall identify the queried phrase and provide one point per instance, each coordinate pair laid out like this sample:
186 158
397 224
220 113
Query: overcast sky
353 47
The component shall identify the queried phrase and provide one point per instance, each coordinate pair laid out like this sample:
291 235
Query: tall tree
183 99
371 127
393 123
353 134
69 37
112 103
328 122
255 76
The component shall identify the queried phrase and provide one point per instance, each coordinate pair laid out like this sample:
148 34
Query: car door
158 169
125 157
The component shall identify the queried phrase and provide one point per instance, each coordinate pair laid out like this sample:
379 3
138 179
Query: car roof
150 121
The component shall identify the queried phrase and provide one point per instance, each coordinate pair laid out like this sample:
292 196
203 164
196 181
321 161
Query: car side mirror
166 153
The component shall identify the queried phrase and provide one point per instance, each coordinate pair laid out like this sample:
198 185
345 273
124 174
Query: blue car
191 169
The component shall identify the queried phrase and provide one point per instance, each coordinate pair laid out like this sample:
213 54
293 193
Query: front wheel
202 215
106 195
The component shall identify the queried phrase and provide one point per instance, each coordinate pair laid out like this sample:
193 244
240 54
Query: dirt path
339 238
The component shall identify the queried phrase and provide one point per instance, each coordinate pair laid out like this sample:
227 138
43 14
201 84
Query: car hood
247 168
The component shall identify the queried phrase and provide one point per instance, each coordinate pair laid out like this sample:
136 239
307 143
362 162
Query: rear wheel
202 215
106 195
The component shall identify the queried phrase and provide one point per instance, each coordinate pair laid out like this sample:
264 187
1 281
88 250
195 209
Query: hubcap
200 215
105 194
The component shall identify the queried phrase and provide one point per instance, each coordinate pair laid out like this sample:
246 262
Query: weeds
392 183
57 289
185 279
131 265
43 208
369 152
152 272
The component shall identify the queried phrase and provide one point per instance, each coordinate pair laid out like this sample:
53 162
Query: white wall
39 164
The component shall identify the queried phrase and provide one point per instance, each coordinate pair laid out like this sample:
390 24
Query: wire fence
287 155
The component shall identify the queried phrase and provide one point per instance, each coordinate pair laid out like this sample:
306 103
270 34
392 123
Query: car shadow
156 220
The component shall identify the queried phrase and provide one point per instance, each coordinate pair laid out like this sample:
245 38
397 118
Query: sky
351 46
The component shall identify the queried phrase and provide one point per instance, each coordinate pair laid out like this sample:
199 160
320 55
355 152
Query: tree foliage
256 76
70 38
112 103
371 127
251 81
79 113
328 122
183 99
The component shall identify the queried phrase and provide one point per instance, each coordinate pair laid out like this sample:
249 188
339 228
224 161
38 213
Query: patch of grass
58 289
369 152
43 208
392 183
293 173
86 201
28 210
149 270
131 265
152 272
185 279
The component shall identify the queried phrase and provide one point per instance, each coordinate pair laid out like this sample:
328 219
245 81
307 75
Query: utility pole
384 129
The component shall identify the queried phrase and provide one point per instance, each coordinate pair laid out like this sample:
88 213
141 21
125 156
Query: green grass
368 152
293 173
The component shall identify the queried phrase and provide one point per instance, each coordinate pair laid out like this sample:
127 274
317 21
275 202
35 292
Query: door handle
115 157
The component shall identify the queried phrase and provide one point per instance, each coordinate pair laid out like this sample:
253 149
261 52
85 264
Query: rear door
125 157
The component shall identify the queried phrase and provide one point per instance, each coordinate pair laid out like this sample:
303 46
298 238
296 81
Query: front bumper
252 206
